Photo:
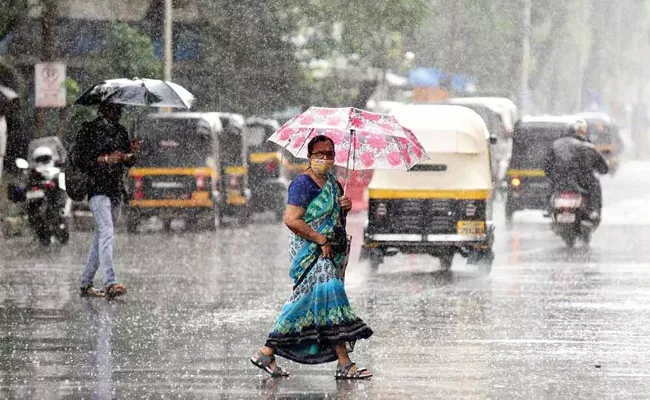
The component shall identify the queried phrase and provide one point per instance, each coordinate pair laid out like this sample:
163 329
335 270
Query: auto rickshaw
602 131
504 106
268 191
528 186
190 165
442 206
501 150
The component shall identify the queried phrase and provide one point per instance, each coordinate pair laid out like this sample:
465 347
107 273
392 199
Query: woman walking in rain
316 324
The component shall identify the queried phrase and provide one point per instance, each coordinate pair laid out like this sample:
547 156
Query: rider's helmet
579 129
42 155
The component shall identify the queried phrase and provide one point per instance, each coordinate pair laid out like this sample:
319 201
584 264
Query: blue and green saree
318 315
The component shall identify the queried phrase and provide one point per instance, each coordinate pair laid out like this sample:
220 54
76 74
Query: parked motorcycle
569 217
44 201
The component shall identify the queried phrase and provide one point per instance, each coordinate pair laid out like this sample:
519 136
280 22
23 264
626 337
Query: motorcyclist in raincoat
571 163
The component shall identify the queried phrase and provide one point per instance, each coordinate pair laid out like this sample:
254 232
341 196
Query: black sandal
90 291
343 372
262 361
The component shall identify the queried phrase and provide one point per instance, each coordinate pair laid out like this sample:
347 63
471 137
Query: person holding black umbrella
104 151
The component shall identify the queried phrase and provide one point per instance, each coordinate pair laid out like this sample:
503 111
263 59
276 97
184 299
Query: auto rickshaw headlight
515 182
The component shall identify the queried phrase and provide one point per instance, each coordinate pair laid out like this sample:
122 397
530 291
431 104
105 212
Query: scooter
569 217
45 201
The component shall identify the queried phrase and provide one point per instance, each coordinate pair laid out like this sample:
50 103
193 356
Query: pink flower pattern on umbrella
362 139
367 159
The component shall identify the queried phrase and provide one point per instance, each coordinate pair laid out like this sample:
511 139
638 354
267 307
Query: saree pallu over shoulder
318 314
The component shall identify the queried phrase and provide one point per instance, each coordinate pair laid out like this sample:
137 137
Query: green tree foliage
366 32
258 54
129 53
249 63
13 12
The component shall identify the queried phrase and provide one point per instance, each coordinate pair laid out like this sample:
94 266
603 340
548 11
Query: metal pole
525 57
167 75
48 53
583 51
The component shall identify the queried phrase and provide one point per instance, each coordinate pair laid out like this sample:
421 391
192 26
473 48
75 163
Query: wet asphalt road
547 323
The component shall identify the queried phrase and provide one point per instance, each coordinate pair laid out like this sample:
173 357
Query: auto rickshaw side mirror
493 140
21 163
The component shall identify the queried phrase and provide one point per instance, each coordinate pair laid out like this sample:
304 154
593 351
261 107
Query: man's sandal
343 372
262 361
90 291
114 290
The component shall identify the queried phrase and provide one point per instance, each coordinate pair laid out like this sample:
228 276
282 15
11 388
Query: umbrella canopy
138 92
362 140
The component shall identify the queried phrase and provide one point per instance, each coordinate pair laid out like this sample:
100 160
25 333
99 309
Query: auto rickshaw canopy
457 142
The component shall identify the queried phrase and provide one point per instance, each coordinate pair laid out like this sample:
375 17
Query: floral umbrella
362 139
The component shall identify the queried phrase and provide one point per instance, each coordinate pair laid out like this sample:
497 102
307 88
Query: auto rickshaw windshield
256 138
173 143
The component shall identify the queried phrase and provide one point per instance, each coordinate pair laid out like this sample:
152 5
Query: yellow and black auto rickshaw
442 206
190 165
268 190
603 132
528 186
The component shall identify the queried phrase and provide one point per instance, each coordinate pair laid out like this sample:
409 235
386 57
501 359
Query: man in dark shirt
570 165
103 153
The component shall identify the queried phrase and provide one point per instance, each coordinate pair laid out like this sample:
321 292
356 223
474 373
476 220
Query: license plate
472 228
565 218
35 194
167 185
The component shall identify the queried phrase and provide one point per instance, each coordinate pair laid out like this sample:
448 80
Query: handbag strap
304 274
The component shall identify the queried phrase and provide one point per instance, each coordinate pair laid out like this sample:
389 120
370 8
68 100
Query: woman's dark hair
315 141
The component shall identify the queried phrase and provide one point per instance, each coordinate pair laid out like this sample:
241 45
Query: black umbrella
138 92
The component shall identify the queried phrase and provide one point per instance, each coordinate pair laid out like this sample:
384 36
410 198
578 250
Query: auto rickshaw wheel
446 261
44 238
484 262
191 224
215 220
244 216
167 225
132 222
278 215
510 212
376 259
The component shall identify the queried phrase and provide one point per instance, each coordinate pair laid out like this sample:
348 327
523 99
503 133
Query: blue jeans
105 214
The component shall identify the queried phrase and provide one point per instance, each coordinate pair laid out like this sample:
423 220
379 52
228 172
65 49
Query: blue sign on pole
424 77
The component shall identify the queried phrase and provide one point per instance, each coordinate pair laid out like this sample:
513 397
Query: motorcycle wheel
64 235
446 261
44 238
570 239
